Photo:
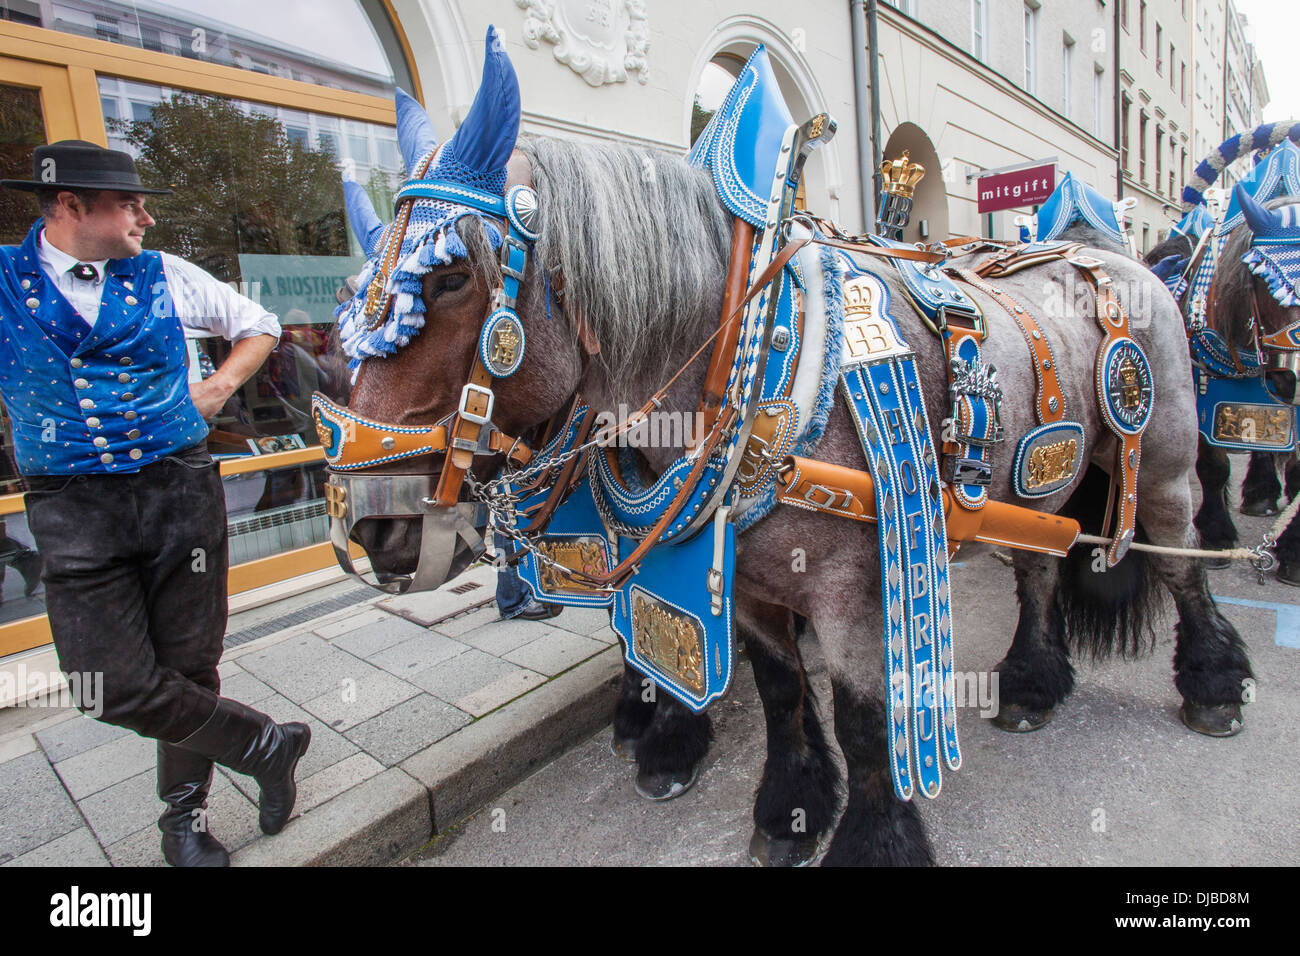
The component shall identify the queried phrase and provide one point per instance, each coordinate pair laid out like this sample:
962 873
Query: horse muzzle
1282 373
413 543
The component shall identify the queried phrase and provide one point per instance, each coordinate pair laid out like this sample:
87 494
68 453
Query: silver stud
127 396
26 283
101 442
124 360
124 377
884 388
81 383
76 363
1036 334
1051 404
387 443
133 434
92 422
33 303
135 454
106 458
129 286
87 403
129 416
130 300
1047 363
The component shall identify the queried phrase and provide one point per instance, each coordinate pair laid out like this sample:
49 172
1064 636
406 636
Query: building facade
269 106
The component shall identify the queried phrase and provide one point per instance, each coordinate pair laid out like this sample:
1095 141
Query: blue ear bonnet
1194 224
1071 201
466 176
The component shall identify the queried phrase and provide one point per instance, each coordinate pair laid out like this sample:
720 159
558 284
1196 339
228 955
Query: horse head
448 305
1260 281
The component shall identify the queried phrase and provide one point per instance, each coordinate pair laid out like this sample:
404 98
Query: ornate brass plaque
579 553
669 639
1253 424
1050 463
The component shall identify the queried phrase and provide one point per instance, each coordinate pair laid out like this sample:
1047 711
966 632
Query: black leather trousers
135 587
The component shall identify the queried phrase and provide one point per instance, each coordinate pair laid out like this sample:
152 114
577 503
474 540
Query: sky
1273 24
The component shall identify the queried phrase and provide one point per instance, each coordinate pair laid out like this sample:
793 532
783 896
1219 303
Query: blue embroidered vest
92 400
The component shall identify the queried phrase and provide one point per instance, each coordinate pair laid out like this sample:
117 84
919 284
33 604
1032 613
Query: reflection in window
344 50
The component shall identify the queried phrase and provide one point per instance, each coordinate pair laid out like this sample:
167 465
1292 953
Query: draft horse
640 243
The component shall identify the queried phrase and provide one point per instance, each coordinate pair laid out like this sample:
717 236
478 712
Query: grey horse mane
1233 305
643 242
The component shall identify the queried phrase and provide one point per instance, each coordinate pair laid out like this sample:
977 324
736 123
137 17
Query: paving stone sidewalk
421 707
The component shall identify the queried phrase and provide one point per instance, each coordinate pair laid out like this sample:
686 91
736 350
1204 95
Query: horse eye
450 282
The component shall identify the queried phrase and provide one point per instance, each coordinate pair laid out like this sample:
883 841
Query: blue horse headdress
1277 174
388 311
1274 253
1071 201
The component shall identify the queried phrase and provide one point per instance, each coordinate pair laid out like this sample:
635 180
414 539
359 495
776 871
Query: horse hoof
1213 720
623 747
1288 572
767 851
665 786
1259 509
1022 720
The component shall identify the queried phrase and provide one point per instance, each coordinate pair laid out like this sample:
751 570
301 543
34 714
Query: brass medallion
323 431
670 640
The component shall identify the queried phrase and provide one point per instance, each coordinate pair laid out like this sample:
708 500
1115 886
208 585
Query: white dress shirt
202 302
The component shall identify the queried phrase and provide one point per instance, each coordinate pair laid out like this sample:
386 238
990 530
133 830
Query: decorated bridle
353 443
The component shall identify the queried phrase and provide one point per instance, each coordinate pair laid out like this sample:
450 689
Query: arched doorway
929 220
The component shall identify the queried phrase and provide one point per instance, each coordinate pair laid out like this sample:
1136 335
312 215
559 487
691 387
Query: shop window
344 50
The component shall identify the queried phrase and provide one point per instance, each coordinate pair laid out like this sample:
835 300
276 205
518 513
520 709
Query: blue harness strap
879 381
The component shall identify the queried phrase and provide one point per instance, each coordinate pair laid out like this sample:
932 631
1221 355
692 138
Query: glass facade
257 202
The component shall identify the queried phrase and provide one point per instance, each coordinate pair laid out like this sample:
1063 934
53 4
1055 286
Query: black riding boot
183 781
249 742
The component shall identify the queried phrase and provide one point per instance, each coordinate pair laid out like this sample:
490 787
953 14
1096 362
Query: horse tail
1111 611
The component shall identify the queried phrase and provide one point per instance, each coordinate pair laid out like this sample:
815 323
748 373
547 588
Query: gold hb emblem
1129 383
504 342
336 497
670 640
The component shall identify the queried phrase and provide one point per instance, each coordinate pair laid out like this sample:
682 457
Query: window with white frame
1031 49
979 29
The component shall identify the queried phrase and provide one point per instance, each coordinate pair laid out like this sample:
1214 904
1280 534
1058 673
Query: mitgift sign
1026 186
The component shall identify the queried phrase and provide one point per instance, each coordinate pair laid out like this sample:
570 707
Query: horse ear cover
415 132
485 140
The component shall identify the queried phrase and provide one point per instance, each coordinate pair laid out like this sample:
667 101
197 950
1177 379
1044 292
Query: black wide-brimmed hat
76 164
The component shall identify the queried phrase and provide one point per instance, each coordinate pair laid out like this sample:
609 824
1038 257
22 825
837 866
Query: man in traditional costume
125 504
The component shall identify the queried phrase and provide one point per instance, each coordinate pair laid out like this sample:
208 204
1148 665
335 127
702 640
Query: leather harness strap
850 493
724 348
1115 325
1051 399
1015 259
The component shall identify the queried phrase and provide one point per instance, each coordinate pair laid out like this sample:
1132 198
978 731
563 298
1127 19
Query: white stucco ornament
600 40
